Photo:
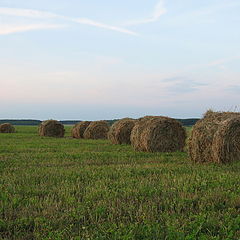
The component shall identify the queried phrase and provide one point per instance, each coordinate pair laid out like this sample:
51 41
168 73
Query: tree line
31 122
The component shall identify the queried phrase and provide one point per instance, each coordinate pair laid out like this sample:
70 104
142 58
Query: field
84 189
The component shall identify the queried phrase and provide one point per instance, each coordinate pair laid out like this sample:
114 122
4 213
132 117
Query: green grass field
85 189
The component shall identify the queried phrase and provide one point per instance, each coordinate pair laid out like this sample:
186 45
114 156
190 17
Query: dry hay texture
51 128
7 128
79 129
97 130
120 131
216 138
158 134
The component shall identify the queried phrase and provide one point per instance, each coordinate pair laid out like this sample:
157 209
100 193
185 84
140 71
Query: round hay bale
136 134
51 128
97 130
216 138
7 128
158 134
120 131
79 129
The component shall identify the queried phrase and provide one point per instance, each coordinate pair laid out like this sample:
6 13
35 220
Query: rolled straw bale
136 134
216 138
97 130
7 128
158 134
120 131
79 129
51 128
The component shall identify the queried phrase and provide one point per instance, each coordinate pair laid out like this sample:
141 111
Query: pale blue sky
78 59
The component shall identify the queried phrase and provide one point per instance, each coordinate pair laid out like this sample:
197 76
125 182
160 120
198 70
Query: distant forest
185 122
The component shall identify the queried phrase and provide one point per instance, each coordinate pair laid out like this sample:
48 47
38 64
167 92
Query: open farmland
89 189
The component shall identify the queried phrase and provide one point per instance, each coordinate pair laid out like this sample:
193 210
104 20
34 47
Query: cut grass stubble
68 188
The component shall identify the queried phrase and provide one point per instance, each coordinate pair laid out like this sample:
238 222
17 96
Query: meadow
89 189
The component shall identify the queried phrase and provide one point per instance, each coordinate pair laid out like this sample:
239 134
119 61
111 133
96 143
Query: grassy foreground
83 189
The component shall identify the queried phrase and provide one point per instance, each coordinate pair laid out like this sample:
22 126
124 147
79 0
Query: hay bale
79 129
97 130
51 128
216 138
158 134
136 134
7 128
120 131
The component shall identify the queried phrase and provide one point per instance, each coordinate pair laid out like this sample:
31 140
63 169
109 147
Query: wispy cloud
29 13
102 25
20 12
182 85
204 66
159 10
6 29
223 61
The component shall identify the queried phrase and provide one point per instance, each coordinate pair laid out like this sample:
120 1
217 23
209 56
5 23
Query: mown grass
83 189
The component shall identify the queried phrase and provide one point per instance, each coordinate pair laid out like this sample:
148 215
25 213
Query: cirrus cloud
159 10
6 29
30 13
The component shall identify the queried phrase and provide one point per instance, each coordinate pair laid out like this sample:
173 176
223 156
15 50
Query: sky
92 60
